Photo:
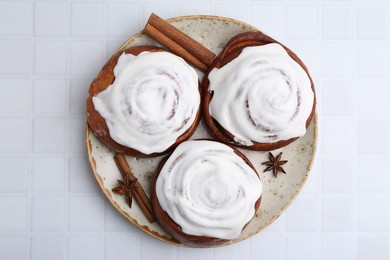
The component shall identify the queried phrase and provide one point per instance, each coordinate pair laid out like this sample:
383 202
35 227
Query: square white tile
373 60
50 96
50 19
86 58
15 97
85 213
151 247
302 22
338 60
373 1
339 246
114 245
13 217
50 57
77 135
373 97
338 97
48 213
372 174
304 216
338 136
48 247
87 19
164 10
300 247
341 169
81 179
87 1
78 96
15 135
233 10
15 57
372 136
267 246
83 247
14 174
337 22
48 174
373 214
235 251
196 8
15 18
49 135
338 213
123 19
270 19
194 253
372 22
372 247
13 247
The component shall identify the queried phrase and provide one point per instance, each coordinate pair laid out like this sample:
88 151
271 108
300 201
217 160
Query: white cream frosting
208 190
153 100
262 95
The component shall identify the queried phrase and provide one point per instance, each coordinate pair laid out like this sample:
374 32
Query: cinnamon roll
144 102
205 193
258 94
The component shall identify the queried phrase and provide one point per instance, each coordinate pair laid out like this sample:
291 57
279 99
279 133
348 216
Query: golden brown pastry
205 193
257 94
144 102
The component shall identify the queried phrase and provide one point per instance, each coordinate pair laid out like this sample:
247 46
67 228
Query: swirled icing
262 95
208 190
153 100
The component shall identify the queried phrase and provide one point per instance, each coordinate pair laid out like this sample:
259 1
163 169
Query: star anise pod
274 164
126 187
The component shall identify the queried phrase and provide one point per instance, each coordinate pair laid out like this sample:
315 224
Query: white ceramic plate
278 193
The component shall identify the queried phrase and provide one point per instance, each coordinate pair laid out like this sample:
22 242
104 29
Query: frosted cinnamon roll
144 102
258 94
205 193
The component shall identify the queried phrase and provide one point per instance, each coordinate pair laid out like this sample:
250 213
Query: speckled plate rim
107 193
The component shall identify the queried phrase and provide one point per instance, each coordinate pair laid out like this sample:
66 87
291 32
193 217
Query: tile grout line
67 135
356 118
388 79
31 134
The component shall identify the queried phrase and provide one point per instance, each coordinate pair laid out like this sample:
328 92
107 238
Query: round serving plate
278 193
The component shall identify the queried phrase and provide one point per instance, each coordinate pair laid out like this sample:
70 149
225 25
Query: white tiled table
50 206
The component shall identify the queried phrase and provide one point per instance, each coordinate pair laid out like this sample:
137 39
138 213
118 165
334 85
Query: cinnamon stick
139 193
178 42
